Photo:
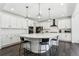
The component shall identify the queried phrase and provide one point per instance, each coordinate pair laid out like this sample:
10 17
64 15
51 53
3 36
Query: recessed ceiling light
61 3
12 9
29 16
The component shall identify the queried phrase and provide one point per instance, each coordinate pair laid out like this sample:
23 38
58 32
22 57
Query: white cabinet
65 37
11 26
9 40
14 39
11 21
19 23
46 24
10 37
30 23
5 40
68 37
61 24
68 23
5 21
64 23
0 42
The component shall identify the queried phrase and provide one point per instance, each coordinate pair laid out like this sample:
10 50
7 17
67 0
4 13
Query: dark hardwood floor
64 49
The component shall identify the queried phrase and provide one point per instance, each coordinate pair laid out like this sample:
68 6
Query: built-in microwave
31 29
39 29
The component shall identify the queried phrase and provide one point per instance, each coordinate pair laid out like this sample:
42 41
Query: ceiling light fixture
12 9
61 3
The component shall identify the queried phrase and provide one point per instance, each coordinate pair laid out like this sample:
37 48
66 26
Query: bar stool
45 42
56 40
23 42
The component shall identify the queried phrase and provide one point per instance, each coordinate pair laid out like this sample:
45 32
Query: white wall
75 25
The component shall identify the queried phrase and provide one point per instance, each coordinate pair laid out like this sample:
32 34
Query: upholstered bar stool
45 42
22 43
56 40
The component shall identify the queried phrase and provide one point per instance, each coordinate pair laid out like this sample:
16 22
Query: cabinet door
61 24
64 23
21 23
62 37
10 21
68 37
46 24
65 37
68 23
13 22
30 23
14 39
0 43
5 21
5 41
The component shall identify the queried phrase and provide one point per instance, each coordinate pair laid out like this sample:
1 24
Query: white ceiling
57 9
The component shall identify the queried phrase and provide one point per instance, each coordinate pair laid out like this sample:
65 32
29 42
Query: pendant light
49 13
39 15
27 12
53 21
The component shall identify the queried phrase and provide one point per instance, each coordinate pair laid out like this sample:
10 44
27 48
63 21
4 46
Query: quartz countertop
40 35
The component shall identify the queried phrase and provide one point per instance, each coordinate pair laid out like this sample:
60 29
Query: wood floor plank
63 50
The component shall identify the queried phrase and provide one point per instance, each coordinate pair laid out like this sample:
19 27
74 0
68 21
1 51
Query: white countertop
41 35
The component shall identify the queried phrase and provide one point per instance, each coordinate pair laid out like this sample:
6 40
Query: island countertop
40 35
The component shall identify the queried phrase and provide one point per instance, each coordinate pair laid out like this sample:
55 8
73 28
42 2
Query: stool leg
19 49
45 49
40 50
49 50
30 48
24 51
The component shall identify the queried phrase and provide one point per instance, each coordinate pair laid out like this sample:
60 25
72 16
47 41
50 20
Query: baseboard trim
9 45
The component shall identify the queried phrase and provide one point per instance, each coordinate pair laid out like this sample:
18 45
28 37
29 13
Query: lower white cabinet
9 37
5 41
0 43
9 40
65 37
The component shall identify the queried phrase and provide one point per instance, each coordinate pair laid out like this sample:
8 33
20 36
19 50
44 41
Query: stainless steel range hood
53 23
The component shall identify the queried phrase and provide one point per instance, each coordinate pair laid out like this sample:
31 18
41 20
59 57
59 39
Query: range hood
53 23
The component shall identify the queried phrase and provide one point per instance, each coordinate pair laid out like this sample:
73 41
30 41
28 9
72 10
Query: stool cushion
44 43
54 39
26 41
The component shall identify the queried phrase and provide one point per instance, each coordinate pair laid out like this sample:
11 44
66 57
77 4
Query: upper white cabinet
30 23
64 23
11 21
46 24
5 21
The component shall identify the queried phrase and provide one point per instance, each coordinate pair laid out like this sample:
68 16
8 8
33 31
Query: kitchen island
36 38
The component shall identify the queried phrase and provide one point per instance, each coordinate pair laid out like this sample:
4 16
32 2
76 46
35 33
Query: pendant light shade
49 12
